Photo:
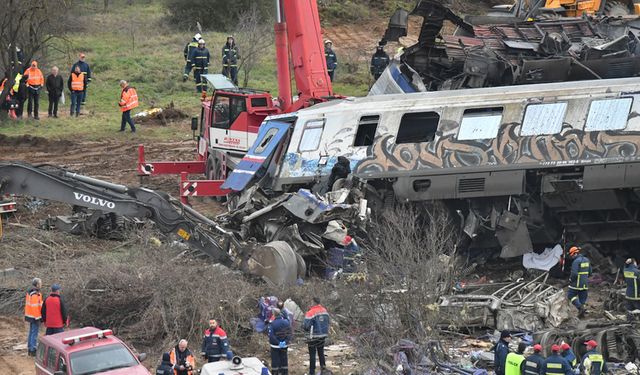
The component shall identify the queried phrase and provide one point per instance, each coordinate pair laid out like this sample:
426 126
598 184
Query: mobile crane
169 216
231 117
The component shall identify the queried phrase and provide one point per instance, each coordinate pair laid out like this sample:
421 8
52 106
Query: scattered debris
525 305
160 115
521 52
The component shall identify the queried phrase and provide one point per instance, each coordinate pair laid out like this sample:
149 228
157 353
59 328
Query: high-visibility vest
35 77
593 363
77 82
33 305
512 364
16 84
128 99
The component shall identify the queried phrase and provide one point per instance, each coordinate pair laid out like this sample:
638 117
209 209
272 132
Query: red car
86 351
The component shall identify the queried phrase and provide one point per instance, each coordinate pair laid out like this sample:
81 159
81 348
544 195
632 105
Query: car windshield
101 359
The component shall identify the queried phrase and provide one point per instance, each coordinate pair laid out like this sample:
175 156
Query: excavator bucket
398 25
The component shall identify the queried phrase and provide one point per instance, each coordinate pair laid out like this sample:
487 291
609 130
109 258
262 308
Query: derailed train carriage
523 166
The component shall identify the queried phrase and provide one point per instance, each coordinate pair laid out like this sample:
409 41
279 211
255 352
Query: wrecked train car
489 51
520 165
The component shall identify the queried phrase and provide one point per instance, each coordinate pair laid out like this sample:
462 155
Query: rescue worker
569 355
632 295
330 57
33 314
578 281
181 359
316 323
286 314
501 351
230 56
128 101
379 62
20 92
279 339
215 345
34 84
199 61
592 361
555 364
76 83
341 169
54 311
54 85
193 44
534 364
86 70
165 367
514 363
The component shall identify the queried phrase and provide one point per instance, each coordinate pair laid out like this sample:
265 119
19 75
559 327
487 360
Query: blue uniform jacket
279 330
215 343
316 322
501 351
534 364
199 59
580 272
570 357
555 364
598 365
631 275
332 60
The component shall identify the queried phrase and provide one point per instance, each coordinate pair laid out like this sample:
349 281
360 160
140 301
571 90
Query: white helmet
197 36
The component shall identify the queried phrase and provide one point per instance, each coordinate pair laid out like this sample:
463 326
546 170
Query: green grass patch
135 43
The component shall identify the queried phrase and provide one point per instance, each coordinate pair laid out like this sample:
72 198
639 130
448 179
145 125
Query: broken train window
311 135
418 127
480 123
608 114
543 118
366 130
266 140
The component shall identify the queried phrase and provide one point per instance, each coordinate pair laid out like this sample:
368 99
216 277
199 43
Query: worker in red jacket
54 312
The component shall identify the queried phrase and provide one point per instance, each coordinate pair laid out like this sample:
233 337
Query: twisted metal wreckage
486 51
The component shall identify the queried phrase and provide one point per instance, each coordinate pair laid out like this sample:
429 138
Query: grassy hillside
134 43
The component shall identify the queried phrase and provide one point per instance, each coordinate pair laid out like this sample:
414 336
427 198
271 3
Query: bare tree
409 258
255 36
30 25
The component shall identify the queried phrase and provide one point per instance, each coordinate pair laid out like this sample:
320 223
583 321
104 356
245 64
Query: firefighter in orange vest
33 314
128 101
77 83
34 84
182 360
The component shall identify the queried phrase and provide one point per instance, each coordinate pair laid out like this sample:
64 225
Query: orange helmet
574 250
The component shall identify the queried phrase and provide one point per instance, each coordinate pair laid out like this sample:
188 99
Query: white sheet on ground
544 261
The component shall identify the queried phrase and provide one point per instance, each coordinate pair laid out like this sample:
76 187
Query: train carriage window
51 358
543 119
418 127
367 127
609 114
480 123
311 135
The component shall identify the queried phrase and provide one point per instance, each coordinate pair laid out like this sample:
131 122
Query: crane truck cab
86 351
229 123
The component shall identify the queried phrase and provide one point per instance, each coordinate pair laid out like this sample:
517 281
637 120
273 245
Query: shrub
218 15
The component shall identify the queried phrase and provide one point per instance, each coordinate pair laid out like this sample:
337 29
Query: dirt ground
13 352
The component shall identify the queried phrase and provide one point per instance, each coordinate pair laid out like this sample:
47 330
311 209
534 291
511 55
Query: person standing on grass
279 339
54 311
34 84
128 101
20 90
33 314
316 324
86 70
77 83
230 57
55 85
